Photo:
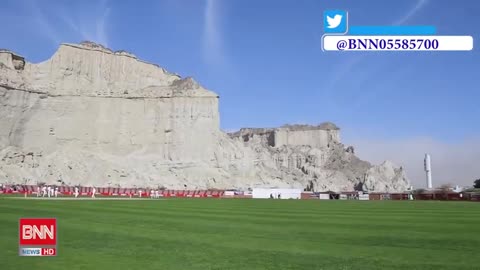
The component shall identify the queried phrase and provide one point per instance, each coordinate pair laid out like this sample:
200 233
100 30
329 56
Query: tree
419 191
446 187
476 183
444 190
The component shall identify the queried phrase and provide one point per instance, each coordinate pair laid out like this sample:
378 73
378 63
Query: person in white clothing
56 191
93 192
157 195
76 192
44 191
49 191
140 193
151 194
38 191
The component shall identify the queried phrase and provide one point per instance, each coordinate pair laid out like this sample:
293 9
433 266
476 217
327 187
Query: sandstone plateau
92 116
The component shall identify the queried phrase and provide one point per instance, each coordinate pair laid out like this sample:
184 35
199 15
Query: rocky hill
92 116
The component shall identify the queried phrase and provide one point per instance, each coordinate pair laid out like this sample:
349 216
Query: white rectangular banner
396 43
276 193
324 196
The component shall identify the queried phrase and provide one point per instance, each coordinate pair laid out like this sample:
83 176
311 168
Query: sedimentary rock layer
92 116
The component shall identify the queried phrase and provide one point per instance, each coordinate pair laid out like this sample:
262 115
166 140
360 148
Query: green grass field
248 234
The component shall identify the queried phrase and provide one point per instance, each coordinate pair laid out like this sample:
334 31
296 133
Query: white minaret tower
428 170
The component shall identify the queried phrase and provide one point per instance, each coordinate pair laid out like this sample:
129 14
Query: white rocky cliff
92 116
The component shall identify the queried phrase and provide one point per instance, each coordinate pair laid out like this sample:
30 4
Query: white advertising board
285 193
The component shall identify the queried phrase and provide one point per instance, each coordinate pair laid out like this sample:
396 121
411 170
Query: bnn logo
38 232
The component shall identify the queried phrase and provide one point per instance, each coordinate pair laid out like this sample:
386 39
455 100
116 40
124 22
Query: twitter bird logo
335 22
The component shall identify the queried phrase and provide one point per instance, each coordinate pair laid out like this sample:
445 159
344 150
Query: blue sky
265 61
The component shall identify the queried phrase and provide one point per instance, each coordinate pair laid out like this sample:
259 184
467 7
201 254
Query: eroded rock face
376 176
330 166
92 116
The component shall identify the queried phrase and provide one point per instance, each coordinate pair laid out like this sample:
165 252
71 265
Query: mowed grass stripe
110 240
338 235
291 226
220 234
381 207
322 222
360 223
307 232
372 214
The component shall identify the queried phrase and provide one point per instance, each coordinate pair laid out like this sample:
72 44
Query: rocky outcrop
323 162
11 60
92 116
375 177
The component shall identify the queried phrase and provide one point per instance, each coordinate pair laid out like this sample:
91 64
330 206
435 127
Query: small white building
324 196
267 193
457 189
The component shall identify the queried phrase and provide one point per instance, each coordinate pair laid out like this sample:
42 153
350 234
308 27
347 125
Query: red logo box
49 251
38 232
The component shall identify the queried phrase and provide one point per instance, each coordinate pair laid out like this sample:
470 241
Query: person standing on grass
49 191
44 191
56 192
38 191
93 192
157 195
140 193
76 192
